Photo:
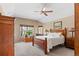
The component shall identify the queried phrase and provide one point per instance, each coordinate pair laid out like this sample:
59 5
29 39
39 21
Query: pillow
54 34
59 33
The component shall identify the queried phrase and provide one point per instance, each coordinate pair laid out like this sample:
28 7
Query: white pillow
59 33
54 34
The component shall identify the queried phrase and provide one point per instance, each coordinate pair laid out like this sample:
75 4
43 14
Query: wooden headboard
63 31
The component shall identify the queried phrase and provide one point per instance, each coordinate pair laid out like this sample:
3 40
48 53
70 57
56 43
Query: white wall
23 21
1 10
67 22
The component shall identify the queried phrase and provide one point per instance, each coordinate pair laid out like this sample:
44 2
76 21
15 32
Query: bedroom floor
61 51
57 51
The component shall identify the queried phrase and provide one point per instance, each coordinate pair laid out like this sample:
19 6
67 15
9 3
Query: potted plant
28 33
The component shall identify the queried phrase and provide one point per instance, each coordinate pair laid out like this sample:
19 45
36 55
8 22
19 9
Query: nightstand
70 42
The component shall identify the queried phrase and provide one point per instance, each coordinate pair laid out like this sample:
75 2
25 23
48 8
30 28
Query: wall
48 26
67 22
1 11
19 21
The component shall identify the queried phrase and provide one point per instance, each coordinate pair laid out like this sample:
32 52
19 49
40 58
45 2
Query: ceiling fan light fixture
44 9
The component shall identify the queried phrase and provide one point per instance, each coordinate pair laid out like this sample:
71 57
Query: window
26 28
40 29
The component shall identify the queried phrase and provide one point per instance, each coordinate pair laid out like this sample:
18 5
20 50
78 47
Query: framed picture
57 25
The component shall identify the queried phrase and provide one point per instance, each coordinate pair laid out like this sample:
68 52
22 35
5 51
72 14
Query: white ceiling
26 10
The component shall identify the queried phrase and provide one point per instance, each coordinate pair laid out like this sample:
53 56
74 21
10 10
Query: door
77 29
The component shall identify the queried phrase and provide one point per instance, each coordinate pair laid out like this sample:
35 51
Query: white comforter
52 40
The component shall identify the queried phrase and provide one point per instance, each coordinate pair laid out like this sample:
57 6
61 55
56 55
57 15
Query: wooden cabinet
6 36
70 42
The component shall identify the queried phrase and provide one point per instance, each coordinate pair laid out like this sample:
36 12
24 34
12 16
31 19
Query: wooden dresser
6 36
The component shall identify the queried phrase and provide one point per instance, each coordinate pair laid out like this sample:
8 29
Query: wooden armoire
6 36
77 29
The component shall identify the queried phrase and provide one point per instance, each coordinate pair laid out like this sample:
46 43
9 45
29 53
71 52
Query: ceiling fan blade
45 14
49 11
41 13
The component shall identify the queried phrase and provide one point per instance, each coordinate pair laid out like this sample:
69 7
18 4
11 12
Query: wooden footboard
41 43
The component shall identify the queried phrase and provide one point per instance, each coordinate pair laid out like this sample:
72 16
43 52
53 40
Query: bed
47 42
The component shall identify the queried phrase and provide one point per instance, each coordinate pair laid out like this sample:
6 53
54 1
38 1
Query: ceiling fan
44 11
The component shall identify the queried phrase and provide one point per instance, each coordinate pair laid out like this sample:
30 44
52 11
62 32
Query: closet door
77 29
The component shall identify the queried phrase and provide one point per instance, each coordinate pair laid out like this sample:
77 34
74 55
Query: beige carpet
26 49
61 51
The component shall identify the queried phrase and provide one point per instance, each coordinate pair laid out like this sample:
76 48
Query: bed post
45 46
65 35
33 41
